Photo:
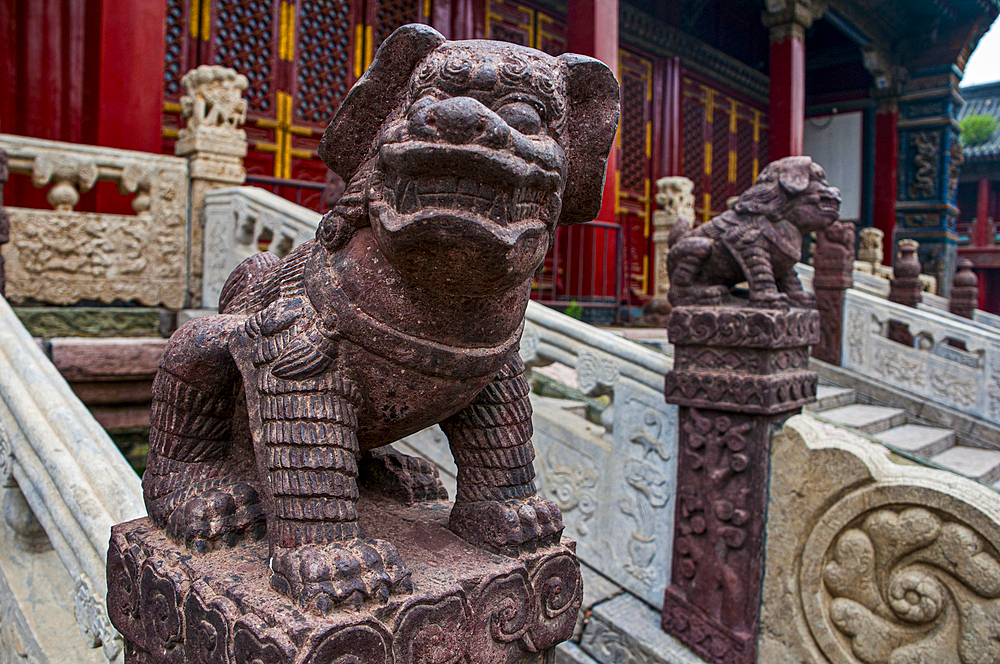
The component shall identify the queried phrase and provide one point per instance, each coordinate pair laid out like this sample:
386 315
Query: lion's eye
522 117
421 104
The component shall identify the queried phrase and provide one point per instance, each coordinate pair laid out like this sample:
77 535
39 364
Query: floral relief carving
856 336
897 367
950 385
905 583
572 485
595 373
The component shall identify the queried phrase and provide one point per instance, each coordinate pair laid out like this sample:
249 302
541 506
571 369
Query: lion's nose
460 120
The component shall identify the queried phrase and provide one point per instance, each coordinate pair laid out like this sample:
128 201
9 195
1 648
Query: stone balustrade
238 220
66 485
63 256
953 361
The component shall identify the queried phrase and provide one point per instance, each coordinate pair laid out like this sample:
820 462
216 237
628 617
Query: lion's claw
322 576
507 527
221 515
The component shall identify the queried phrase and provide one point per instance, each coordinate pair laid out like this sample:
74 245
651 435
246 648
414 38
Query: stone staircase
889 426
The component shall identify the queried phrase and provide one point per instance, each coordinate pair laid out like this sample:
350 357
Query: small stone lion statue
460 159
758 241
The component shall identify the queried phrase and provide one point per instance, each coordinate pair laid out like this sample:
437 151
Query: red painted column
983 213
886 156
788 92
130 74
788 21
592 29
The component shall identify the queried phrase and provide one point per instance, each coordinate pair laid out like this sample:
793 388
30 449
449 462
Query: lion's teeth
409 202
498 212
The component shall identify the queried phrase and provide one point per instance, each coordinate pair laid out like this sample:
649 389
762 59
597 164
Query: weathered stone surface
759 241
49 322
615 489
466 605
964 290
106 359
833 258
872 561
738 373
624 629
63 257
362 336
675 196
905 286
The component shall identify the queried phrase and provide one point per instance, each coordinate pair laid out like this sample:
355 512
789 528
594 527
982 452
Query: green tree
977 129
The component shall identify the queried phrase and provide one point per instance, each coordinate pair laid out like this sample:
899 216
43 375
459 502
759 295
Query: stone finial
675 196
905 286
69 174
870 248
214 99
964 290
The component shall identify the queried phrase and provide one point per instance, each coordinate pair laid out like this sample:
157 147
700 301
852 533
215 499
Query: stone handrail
62 256
73 479
237 220
952 362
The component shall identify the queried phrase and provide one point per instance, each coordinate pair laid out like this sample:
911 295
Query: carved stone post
675 196
964 290
929 160
4 221
834 262
739 372
905 288
870 251
215 146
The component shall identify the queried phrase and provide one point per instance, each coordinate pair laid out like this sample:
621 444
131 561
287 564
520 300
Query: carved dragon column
215 146
739 372
4 220
929 160
834 262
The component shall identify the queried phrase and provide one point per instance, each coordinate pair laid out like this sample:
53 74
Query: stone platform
467 605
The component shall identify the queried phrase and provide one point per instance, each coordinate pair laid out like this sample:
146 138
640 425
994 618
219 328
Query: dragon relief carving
925 147
758 241
461 159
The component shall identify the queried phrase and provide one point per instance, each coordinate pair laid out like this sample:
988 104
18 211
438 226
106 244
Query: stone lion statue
758 241
460 159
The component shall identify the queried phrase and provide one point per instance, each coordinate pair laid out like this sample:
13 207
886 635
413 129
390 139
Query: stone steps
888 426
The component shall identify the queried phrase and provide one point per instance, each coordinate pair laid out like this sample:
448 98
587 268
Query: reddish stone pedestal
468 605
739 372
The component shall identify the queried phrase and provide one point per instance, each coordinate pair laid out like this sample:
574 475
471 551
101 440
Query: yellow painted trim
645 273
369 38
709 104
282 19
171 107
169 132
649 139
732 116
359 45
649 79
708 158
732 165
706 212
756 168
427 8
206 20
193 19
756 126
270 148
290 47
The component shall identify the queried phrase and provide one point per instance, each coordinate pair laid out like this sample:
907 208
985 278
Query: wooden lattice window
392 14
244 36
323 59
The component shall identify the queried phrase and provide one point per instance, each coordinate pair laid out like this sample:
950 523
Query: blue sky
984 64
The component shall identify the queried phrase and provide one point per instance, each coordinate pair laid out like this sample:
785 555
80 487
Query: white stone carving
875 562
675 196
92 616
935 369
69 174
213 100
62 257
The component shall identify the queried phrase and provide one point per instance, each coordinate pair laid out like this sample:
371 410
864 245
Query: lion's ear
374 97
794 174
591 123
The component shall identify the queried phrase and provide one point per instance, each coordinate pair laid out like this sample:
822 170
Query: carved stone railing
953 363
238 221
615 483
61 256
872 561
67 484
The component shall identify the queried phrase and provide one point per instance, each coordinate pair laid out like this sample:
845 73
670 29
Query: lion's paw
320 577
769 300
508 527
218 516
803 300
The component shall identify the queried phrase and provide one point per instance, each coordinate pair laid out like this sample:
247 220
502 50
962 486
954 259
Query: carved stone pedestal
739 372
467 605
